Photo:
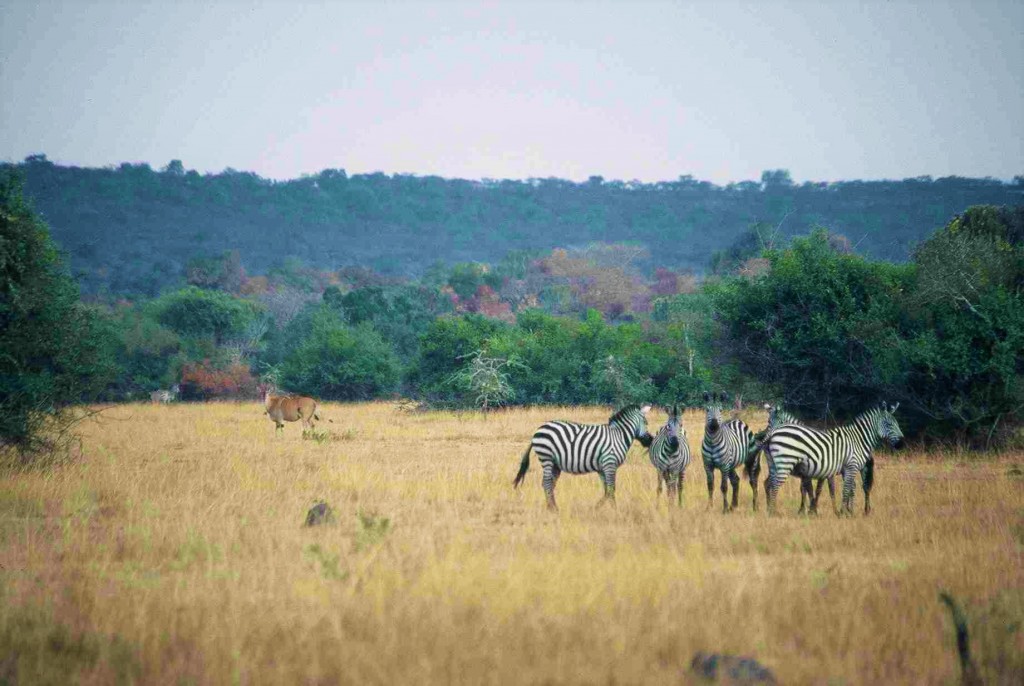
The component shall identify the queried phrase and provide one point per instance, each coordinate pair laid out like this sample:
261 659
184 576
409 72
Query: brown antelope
288 408
165 396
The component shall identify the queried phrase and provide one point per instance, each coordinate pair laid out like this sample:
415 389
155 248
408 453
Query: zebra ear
706 396
894 408
724 396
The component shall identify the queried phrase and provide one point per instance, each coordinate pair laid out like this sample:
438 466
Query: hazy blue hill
132 229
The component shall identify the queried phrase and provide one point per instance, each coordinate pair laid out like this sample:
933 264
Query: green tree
55 352
812 324
959 359
338 362
198 313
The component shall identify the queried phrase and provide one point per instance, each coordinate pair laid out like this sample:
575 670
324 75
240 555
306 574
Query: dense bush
340 362
811 325
55 351
207 381
833 332
195 312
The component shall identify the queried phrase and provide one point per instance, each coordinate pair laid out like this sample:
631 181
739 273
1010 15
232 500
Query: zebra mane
621 414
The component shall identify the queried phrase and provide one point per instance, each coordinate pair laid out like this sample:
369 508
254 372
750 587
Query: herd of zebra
789 447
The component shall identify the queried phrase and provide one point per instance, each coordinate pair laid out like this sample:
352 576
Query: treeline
131 230
806 321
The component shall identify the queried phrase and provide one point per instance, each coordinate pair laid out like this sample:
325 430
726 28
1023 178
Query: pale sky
625 90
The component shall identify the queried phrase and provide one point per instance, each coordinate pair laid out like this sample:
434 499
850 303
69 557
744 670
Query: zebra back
578 448
827 452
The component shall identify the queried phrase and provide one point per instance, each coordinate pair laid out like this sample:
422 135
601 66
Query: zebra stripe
670 455
726 446
819 454
584 448
778 417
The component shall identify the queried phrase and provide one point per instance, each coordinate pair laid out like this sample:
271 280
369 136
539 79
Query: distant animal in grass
288 408
164 396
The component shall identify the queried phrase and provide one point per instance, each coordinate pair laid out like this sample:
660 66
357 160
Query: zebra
670 455
776 418
725 447
584 448
164 396
844 449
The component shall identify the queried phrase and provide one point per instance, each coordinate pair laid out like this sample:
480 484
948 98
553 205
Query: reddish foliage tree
204 381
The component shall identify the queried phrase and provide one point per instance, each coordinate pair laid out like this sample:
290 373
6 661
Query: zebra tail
524 466
753 463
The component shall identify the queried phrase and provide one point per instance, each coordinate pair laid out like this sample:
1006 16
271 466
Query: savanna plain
171 549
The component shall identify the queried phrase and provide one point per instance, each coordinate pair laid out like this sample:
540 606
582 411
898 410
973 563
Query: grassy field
171 550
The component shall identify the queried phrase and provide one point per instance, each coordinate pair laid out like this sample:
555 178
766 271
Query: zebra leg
814 493
710 472
725 491
831 491
661 477
753 471
609 482
734 480
849 482
670 485
805 495
551 474
867 480
679 488
778 476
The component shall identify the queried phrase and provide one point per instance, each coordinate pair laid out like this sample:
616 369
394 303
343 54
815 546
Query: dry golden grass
172 551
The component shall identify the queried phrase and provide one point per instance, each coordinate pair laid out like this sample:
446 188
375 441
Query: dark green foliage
751 243
558 360
811 324
198 313
399 313
961 355
444 345
131 230
338 362
55 352
222 273
147 354
834 332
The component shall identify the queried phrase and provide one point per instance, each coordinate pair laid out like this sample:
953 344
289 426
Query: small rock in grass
320 513
729 669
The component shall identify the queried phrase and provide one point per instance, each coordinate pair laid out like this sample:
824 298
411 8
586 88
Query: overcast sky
626 90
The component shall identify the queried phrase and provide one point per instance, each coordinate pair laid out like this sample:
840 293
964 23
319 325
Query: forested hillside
132 230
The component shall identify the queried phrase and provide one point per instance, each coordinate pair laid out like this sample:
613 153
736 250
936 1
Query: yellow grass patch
172 551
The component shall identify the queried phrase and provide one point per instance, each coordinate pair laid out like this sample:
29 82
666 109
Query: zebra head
674 419
778 416
632 420
887 427
713 407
